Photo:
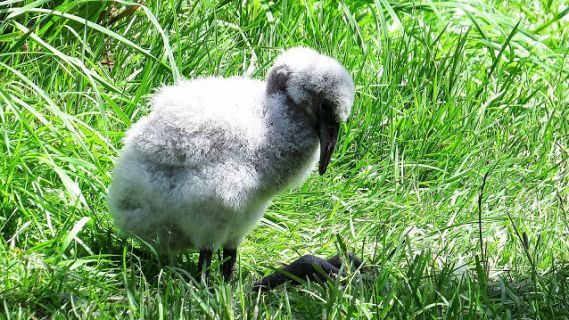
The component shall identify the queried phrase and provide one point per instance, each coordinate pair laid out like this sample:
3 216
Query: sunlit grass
447 92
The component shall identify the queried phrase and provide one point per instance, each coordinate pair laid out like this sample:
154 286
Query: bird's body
199 171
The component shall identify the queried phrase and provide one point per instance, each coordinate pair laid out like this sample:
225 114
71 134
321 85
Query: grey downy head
320 85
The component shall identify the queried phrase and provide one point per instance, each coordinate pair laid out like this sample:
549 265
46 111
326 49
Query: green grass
447 93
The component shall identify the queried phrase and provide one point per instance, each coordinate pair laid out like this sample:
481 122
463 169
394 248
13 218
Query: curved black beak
328 128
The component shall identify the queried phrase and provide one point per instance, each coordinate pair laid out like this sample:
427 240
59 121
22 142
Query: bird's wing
199 121
175 140
218 158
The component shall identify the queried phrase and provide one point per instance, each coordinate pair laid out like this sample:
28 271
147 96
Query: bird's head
320 87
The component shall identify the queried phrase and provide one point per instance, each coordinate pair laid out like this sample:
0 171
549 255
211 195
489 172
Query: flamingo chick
199 171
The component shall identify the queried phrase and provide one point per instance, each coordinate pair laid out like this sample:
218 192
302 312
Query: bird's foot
307 267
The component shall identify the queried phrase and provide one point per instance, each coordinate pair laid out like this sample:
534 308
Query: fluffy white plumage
199 171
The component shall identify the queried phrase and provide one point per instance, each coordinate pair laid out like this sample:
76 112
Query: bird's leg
307 267
229 260
204 261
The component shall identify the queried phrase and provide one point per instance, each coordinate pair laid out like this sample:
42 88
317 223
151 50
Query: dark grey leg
204 262
229 260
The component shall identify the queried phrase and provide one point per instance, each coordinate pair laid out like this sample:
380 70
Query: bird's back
196 122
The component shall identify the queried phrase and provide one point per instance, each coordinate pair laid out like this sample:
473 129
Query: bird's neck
291 144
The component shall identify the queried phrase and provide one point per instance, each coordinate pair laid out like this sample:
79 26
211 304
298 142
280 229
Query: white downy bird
199 171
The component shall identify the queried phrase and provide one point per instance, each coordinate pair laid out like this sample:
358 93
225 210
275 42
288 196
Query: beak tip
322 170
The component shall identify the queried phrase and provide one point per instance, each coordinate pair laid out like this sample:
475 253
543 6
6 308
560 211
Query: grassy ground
451 178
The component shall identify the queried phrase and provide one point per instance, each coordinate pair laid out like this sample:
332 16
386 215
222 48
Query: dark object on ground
307 267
